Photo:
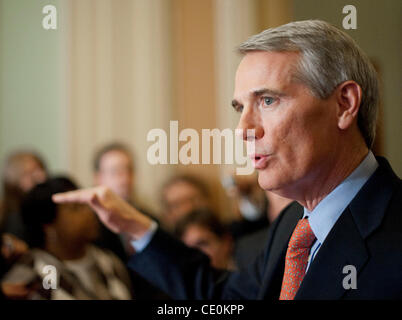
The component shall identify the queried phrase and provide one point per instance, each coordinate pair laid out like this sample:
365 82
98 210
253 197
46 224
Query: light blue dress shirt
141 243
327 212
324 215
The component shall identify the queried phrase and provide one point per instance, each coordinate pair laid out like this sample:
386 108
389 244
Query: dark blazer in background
368 236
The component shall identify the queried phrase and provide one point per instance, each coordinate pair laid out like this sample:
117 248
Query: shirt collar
327 212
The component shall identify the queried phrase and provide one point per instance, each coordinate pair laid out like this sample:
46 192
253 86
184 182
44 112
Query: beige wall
120 82
194 77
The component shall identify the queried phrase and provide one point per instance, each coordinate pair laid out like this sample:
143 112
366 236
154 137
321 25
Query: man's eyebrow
262 91
258 93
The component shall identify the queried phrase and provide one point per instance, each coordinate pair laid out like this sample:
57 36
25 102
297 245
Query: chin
265 180
269 180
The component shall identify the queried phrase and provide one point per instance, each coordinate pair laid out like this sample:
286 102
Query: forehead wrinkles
272 70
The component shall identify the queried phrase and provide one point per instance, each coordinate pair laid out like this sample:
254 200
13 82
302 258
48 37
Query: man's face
116 172
295 132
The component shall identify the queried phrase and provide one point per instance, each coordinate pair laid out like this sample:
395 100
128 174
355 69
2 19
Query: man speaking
311 97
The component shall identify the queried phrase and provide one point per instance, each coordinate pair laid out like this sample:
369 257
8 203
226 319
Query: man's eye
239 109
268 101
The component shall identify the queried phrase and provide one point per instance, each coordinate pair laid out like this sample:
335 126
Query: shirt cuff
143 242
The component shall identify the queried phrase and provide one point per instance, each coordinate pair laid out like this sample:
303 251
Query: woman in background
60 236
21 172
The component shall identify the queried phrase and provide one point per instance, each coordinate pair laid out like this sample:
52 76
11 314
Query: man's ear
348 97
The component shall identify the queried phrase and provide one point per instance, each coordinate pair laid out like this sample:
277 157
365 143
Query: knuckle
103 192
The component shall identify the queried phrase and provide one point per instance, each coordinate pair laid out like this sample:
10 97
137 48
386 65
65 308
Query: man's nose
249 127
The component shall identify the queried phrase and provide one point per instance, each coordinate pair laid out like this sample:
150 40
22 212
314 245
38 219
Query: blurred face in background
117 173
32 173
24 172
75 224
217 248
179 199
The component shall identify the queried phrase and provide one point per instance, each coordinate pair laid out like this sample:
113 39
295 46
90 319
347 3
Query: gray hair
328 58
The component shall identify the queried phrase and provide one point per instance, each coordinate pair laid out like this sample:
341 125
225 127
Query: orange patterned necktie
296 259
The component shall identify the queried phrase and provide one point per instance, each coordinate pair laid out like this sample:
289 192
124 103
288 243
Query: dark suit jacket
142 289
368 235
248 247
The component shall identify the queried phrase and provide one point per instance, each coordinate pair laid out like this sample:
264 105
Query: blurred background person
22 170
248 204
250 245
3 270
254 210
113 167
61 236
11 249
180 195
276 204
202 229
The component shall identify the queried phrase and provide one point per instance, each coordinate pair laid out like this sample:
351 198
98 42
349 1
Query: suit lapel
370 204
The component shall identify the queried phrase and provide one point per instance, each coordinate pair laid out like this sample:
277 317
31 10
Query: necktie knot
303 236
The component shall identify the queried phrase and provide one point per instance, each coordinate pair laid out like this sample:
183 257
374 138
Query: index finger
76 196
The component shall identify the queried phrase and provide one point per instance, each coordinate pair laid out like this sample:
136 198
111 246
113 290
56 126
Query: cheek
67 229
39 176
277 124
280 135
27 183
291 143
90 222
291 134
